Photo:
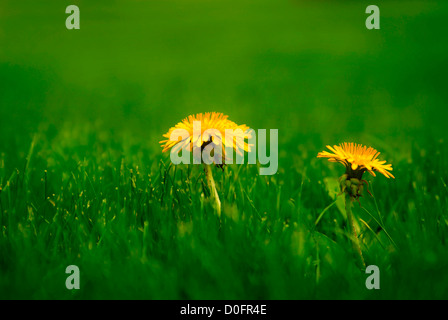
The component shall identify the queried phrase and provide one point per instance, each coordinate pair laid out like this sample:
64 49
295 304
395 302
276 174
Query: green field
84 182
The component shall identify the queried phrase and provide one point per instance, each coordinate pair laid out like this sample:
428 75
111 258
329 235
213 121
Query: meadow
83 180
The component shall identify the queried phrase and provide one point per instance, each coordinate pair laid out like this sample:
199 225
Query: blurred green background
310 69
301 67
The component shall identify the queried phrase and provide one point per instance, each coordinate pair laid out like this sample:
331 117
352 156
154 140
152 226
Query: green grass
83 180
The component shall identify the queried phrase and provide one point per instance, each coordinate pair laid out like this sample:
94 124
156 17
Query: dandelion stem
213 192
354 237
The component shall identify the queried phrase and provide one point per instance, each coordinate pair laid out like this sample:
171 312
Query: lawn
83 180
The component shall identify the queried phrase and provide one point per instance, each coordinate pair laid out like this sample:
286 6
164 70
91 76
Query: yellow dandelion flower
357 159
198 131
214 128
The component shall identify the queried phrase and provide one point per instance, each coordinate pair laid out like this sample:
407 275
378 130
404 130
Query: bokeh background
301 67
310 69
